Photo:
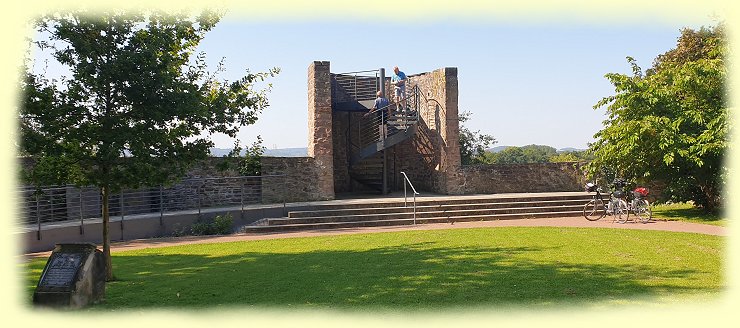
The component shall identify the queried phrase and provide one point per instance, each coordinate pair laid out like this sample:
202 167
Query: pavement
579 222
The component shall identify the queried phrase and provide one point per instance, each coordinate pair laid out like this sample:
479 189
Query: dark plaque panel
62 270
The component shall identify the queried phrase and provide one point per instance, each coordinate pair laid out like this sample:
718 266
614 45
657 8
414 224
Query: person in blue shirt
381 104
398 80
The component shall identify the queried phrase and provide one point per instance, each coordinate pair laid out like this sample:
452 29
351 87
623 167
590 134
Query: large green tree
670 123
137 107
473 144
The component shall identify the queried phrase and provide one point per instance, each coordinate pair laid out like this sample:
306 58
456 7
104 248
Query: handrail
404 193
367 125
50 204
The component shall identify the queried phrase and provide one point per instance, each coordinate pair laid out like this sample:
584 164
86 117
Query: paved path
545 222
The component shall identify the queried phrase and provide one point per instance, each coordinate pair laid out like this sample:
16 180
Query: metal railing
407 181
370 129
360 85
50 204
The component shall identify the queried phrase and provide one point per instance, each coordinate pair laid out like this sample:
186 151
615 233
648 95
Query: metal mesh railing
69 203
361 85
374 127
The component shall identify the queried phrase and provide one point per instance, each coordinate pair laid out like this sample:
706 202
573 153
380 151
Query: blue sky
524 83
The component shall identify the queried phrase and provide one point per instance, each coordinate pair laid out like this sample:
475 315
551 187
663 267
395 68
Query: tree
571 156
525 154
670 123
473 144
138 107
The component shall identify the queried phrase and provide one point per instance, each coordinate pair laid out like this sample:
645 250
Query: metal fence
361 85
69 203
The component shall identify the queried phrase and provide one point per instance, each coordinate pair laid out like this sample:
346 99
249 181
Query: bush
220 225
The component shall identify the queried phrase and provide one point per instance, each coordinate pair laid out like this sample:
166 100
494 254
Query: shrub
220 225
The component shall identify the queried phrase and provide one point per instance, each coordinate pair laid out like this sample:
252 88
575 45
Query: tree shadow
402 277
692 213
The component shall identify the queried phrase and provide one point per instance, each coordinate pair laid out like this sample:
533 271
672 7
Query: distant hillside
497 149
287 152
561 150
569 149
280 152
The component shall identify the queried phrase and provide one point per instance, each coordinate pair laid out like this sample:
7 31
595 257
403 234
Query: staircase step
427 214
435 207
458 201
405 221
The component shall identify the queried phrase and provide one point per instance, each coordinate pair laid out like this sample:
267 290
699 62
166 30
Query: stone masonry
320 144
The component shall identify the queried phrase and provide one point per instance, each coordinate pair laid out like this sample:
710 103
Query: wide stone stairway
438 209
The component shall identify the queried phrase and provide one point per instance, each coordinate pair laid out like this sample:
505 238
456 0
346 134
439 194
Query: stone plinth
74 277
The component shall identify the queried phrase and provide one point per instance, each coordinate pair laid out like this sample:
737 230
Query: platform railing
52 204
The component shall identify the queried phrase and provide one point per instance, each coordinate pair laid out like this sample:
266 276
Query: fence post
241 199
197 190
285 182
161 205
38 218
122 214
82 214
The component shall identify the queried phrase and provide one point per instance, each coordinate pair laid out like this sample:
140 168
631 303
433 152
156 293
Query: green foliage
248 165
571 156
671 123
137 109
220 225
473 144
139 105
533 154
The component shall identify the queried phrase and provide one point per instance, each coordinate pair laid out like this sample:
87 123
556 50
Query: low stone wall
299 181
516 178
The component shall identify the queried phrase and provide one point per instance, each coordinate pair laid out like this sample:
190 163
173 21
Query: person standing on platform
398 80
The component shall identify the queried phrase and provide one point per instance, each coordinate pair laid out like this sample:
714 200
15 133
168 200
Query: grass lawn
420 270
686 212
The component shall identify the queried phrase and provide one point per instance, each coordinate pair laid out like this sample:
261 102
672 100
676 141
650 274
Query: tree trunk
106 235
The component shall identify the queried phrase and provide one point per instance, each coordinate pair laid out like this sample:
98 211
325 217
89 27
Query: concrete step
360 209
405 214
359 213
466 200
404 221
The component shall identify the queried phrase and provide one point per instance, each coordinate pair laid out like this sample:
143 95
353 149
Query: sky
523 83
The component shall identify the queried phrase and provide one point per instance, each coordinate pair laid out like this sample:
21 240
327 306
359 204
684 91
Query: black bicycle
597 207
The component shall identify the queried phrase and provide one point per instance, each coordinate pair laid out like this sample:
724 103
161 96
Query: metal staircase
378 134
372 135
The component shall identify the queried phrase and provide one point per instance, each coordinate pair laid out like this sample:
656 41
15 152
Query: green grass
420 270
686 212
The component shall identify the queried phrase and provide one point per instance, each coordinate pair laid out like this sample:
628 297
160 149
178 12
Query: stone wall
320 142
433 156
517 178
299 183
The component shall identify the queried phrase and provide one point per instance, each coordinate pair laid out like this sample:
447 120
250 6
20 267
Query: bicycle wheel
621 211
642 210
594 210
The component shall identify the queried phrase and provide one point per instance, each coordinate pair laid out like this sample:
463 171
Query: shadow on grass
403 278
685 213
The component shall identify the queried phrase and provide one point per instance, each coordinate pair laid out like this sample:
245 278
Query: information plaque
74 276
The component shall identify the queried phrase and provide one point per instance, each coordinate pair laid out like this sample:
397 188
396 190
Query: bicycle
640 206
597 208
